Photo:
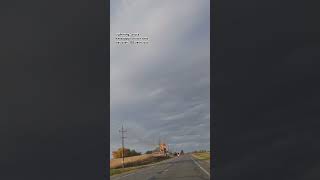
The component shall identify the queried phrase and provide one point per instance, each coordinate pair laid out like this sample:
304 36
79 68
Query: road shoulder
203 164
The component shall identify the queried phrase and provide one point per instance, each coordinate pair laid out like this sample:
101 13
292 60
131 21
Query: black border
54 76
212 119
265 77
107 158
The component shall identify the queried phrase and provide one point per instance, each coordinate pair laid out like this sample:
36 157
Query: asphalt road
184 167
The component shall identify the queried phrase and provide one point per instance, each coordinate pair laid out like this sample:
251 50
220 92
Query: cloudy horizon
161 89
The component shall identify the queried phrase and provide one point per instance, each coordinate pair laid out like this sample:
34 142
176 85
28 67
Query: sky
161 89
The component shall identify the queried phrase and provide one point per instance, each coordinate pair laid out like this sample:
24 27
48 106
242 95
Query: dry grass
202 155
135 160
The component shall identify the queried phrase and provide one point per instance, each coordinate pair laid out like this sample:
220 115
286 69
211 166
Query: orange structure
163 148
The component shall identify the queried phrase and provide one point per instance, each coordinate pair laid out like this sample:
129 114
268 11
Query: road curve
184 167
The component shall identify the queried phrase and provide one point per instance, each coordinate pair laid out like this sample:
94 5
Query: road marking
200 167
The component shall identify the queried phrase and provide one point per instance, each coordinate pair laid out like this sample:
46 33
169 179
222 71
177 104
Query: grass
202 155
122 170
135 160
136 165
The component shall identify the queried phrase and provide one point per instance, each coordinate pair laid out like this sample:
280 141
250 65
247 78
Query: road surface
185 167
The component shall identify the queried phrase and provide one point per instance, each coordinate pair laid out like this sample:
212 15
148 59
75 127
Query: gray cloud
161 90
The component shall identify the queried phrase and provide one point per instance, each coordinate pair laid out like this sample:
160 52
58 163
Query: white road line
208 162
200 167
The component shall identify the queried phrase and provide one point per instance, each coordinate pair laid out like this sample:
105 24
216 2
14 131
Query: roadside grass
135 160
122 170
135 166
202 155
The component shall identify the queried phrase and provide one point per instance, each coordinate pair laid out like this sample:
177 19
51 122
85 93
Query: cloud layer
162 89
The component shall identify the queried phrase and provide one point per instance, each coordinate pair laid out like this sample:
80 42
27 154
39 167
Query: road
185 167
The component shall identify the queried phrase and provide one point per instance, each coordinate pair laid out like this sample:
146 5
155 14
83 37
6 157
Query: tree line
127 153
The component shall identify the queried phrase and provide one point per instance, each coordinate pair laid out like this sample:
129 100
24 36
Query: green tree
133 153
148 152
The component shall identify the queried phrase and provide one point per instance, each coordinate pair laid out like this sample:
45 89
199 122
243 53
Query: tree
118 153
148 152
127 153
133 153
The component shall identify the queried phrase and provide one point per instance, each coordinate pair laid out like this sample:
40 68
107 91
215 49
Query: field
133 162
202 155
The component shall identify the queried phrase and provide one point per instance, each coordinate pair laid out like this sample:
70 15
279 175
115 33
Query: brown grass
135 160
202 155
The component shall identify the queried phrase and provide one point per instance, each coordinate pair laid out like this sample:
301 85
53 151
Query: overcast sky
161 89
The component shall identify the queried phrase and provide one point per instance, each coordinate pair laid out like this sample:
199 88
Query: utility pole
122 131
159 145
